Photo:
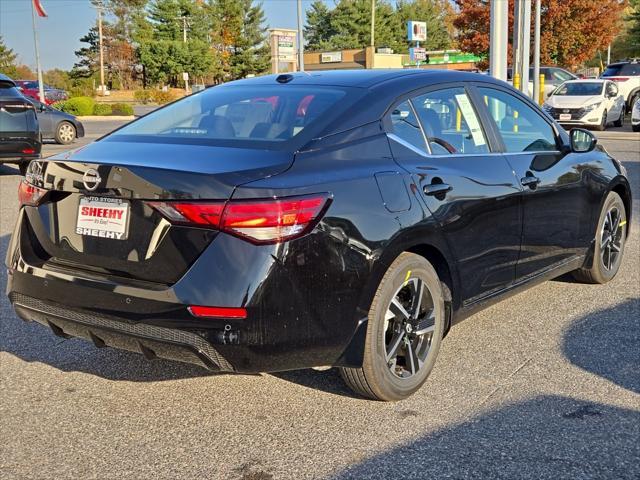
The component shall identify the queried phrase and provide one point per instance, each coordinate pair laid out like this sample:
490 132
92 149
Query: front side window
450 122
405 125
521 127
272 114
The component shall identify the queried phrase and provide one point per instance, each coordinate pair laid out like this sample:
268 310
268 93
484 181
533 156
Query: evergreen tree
318 30
7 59
351 22
434 13
88 56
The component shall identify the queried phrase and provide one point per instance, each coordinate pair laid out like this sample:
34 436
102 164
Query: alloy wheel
408 328
611 238
66 133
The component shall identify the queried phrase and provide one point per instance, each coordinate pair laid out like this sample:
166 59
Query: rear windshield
260 114
580 89
622 69
7 89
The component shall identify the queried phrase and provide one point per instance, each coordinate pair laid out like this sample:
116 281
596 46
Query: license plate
565 116
103 217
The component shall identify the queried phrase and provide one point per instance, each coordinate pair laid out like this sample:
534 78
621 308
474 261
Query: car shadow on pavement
607 343
9 169
547 436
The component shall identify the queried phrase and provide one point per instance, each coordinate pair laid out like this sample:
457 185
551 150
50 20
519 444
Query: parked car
594 103
250 235
62 127
19 133
553 78
627 75
635 117
30 88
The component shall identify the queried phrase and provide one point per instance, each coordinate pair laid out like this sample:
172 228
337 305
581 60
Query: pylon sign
416 31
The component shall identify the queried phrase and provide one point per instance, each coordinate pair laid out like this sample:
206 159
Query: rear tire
610 239
405 327
65 133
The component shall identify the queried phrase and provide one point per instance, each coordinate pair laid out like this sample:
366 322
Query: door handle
530 181
435 189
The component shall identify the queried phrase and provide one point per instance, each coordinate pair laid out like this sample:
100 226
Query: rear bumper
104 331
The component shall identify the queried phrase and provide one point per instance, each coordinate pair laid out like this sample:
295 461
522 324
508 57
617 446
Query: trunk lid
111 181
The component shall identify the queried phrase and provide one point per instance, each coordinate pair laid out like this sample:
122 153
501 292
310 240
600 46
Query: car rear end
137 241
19 133
627 77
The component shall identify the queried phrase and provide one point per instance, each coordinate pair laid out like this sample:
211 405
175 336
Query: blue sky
70 19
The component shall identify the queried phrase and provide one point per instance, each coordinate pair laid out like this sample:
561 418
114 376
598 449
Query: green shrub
161 97
142 96
121 109
59 105
102 109
79 106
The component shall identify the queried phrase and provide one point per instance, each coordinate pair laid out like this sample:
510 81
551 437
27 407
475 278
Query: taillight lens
217 312
30 195
259 221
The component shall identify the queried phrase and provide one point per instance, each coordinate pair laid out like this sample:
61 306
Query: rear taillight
258 221
217 312
30 194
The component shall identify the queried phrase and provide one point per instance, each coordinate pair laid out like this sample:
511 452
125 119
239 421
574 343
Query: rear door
557 217
437 136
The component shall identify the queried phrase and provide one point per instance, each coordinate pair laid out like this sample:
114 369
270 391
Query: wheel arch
623 189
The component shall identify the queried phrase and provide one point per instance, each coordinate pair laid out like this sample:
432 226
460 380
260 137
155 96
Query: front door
556 217
437 136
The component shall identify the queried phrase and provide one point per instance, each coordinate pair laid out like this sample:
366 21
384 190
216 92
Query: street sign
417 54
185 76
416 31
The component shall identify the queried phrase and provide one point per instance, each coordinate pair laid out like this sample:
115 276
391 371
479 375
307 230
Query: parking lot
544 385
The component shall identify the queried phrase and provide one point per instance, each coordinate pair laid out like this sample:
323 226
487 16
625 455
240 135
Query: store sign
416 31
286 48
417 54
331 57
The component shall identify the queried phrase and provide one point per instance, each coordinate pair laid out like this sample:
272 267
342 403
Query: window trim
477 98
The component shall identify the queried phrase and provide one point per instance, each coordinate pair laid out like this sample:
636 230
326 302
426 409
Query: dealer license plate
565 116
103 217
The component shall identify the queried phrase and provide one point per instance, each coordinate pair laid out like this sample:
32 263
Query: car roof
588 80
361 78
5 79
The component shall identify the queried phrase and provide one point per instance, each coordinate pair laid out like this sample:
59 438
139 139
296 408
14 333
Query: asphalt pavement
543 385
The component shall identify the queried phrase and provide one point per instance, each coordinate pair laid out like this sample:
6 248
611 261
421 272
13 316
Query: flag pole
35 42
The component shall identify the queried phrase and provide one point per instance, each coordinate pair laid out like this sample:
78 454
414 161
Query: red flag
39 8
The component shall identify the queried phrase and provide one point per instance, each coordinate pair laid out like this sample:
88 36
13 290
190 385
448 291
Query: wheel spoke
427 324
413 361
395 343
397 309
418 291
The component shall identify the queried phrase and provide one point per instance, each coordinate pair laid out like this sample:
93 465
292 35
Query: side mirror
43 107
582 140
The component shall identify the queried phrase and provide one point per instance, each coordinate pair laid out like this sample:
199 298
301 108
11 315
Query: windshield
258 113
585 89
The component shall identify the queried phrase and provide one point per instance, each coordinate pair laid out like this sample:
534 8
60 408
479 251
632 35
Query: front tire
65 133
405 328
603 122
620 122
611 236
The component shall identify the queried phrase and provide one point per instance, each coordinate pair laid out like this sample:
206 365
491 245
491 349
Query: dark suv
19 132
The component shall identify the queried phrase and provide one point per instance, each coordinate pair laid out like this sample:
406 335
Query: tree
88 56
627 43
318 30
239 39
571 30
7 59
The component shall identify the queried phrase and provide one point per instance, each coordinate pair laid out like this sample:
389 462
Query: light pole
38 67
300 39
536 56
373 22
99 8
498 39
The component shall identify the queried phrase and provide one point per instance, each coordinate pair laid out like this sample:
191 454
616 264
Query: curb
106 117
618 135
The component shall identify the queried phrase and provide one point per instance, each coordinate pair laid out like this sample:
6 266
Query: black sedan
19 132
342 219
56 125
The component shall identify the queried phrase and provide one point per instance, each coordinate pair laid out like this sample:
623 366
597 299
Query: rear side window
521 127
245 113
622 69
450 123
405 125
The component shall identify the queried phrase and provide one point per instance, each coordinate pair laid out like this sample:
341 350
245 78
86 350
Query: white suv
627 76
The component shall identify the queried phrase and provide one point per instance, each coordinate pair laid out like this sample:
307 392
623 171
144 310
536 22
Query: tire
636 128
390 376
65 133
603 122
620 122
611 225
